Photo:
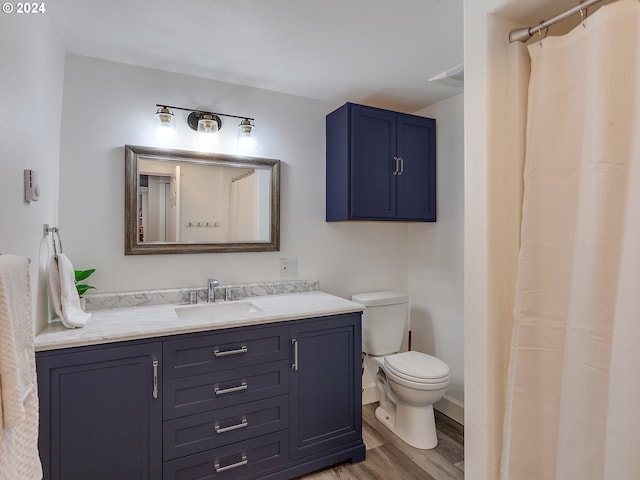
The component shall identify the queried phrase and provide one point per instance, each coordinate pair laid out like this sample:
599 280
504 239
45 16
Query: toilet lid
417 367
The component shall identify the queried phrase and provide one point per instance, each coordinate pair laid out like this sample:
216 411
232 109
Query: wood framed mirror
179 201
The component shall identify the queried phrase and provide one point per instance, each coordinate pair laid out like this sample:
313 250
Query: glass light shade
166 125
246 136
207 124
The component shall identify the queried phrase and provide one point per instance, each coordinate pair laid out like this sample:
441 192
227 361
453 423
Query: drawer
202 393
237 461
211 352
205 431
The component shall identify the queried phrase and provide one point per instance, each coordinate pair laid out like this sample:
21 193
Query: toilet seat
417 368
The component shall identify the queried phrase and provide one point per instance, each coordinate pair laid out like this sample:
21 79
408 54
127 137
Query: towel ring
55 231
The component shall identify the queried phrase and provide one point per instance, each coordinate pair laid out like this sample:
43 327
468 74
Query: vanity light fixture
209 123
166 124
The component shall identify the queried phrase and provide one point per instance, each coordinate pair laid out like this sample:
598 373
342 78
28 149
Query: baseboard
452 408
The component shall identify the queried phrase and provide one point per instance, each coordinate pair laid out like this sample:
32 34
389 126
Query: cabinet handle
294 342
224 353
242 386
219 469
243 424
397 161
401 161
155 378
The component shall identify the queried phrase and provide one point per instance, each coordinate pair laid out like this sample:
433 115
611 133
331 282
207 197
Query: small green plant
80 276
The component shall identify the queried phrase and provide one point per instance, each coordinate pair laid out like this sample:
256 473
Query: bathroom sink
216 311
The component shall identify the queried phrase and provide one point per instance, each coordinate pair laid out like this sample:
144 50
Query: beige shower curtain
573 389
243 212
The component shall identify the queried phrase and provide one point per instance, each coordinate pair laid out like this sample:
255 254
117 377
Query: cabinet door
101 413
373 148
416 187
325 385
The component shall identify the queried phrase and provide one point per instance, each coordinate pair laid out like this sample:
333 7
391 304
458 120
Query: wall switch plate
288 267
31 187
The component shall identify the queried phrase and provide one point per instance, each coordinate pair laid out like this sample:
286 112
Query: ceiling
378 52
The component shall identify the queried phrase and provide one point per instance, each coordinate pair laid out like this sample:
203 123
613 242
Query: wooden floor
389 458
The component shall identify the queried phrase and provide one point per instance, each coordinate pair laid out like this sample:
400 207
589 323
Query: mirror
179 201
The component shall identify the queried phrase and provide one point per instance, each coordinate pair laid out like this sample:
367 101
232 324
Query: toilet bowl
406 400
407 383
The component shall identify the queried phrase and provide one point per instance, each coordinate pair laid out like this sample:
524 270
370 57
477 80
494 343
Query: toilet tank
384 321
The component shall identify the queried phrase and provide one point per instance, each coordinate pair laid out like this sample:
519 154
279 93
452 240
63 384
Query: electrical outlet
288 267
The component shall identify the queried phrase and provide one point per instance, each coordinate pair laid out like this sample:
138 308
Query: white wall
435 259
107 105
31 78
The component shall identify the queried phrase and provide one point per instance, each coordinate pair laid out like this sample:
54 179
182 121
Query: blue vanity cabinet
261 402
101 412
380 165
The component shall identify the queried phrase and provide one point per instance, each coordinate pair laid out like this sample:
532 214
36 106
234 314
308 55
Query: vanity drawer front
219 351
201 393
237 461
197 433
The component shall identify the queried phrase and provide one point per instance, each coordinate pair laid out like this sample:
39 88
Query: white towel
63 292
19 457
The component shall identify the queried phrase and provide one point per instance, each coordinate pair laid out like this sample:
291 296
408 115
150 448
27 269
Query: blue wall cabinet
380 165
101 413
263 402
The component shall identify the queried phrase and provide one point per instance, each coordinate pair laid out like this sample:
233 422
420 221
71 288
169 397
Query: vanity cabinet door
326 385
101 412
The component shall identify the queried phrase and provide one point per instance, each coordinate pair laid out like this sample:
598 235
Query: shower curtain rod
524 34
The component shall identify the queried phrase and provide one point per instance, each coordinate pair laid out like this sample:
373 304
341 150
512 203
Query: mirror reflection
187 202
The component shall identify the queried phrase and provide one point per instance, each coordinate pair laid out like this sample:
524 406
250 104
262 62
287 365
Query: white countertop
119 324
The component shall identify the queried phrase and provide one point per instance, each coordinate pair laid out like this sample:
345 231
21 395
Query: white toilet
408 383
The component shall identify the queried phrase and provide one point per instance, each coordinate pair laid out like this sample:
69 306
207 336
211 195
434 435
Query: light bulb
166 125
246 136
207 124
209 139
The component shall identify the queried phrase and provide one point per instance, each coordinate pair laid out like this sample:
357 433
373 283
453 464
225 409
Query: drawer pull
224 353
294 365
242 386
155 379
241 463
238 426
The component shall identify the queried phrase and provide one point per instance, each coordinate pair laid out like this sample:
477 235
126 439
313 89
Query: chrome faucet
212 283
